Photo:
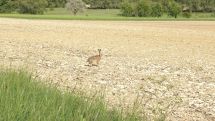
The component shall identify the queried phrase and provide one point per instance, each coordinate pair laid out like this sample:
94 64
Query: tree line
128 7
143 8
156 8
29 6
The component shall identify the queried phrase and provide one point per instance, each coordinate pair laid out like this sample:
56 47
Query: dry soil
165 67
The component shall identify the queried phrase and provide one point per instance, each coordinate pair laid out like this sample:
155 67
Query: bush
187 14
126 9
104 4
165 5
32 7
7 6
142 9
157 10
56 3
174 9
75 6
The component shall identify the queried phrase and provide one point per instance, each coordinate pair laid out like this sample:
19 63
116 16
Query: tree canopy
39 6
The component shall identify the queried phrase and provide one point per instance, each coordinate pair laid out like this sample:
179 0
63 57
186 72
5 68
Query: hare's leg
90 64
94 65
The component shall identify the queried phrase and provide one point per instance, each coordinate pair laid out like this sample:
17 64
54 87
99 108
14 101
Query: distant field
163 66
87 12
100 14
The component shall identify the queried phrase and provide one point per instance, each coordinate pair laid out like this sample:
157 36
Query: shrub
104 4
165 5
174 9
32 7
56 3
142 9
187 14
157 10
75 6
7 6
126 9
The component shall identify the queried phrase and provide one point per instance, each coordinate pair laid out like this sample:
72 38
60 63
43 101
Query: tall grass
24 99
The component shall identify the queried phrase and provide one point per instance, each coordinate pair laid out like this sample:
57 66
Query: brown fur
94 60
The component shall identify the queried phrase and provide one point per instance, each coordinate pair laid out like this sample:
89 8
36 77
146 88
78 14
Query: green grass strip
105 18
24 99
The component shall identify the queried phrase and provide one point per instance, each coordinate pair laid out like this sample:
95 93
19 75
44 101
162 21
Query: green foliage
174 9
75 6
25 99
166 5
157 10
208 5
126 9
186 14
142 9
199 5
104 4
56 3
195 5
7 6
32 7
29 6
115 4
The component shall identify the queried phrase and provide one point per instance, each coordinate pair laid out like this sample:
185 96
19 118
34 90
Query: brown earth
166 67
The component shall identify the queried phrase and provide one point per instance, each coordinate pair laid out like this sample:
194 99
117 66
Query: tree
75 6
56 3
23 6
166 4
174 9
104 4
32 6
157 10
196 5
126 9
7 6
207 5
142 9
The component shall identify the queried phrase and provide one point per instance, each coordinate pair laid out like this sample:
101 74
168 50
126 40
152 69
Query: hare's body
94 60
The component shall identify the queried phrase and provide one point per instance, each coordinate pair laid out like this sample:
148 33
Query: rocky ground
161 67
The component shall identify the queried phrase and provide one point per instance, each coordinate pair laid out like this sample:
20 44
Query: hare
94 60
